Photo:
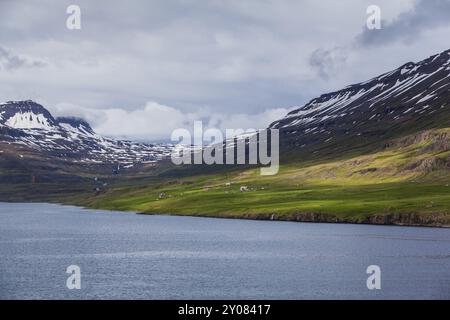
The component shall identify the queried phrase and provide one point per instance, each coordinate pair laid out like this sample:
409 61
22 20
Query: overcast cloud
140 69
9 61
409 25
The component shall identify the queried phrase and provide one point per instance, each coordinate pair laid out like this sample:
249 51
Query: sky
140 69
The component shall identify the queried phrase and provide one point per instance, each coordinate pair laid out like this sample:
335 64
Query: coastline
412 219
401 220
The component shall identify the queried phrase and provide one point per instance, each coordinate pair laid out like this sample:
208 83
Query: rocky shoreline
441 220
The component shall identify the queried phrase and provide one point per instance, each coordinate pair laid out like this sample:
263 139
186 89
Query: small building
162 195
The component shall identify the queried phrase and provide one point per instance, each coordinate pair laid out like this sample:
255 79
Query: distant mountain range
30 125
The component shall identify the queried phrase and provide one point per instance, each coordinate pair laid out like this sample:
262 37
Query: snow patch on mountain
28 120
394 93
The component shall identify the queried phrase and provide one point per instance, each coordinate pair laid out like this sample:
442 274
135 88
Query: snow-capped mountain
29 124
413 97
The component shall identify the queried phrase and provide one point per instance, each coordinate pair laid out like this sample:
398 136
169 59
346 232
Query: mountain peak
25 114
22 105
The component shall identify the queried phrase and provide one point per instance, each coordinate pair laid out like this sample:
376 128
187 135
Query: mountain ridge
30 124
409 99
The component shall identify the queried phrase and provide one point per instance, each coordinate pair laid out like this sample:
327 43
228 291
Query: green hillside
407 182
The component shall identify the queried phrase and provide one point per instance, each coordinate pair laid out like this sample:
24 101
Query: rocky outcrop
429 164
400 219
405 219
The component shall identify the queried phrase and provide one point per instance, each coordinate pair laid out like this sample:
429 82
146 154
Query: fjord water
130 256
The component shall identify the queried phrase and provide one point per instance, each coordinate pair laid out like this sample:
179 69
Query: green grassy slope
405 183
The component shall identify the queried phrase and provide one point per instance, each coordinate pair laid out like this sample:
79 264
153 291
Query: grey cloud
327 62
10 61
425 15
164 119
